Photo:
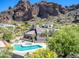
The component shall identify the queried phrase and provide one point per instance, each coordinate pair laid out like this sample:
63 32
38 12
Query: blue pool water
25 48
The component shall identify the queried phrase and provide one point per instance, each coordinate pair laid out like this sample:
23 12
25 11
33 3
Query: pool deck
22 53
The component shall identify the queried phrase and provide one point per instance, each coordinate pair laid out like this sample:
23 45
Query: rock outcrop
73 15
24 11
5 17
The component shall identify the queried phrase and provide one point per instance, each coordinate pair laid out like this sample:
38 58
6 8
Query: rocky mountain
24 11
73 15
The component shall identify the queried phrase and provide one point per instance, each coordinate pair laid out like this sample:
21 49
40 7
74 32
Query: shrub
43 53
65 41
8 36
6 53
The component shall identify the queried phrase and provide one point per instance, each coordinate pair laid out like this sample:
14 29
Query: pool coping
22 53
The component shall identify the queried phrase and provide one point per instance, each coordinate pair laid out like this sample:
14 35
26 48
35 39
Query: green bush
65 41
6 53
42 53
8 36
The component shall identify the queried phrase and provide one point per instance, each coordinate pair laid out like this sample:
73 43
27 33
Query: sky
4 4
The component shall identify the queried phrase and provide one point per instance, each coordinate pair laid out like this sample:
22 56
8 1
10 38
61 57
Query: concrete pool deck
22 53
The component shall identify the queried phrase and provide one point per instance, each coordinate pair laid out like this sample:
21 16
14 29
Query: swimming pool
25 48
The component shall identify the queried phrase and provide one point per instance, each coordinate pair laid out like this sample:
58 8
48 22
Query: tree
10 8
66 7
43 0
65 41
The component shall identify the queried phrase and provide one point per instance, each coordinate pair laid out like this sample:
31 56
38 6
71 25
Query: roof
6 25
39 31
30 32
